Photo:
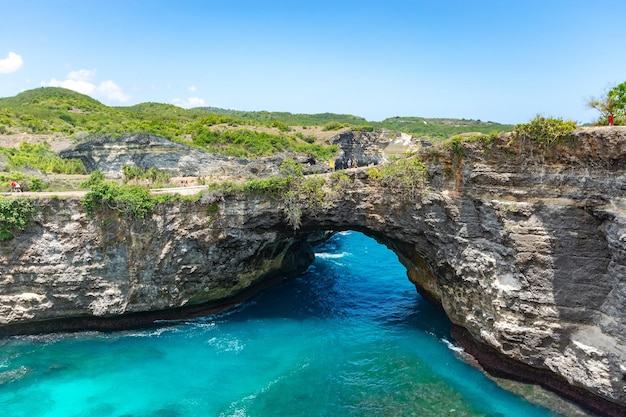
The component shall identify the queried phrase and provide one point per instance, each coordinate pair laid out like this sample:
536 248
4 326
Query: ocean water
350 337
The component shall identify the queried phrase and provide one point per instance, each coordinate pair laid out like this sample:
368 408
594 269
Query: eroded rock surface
524 249
109 155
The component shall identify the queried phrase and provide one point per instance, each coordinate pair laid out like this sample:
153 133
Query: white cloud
11 63
81 81
189 102
112 91
83 87
192 88
81 75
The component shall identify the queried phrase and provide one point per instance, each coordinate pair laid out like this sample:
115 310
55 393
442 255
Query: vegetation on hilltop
54 110
289 119
441 129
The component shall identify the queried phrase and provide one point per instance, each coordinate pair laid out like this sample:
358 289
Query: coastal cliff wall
524 248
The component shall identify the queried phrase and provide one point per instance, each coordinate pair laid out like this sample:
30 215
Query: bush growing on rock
546 131
128 201
407 174
96 177
14 216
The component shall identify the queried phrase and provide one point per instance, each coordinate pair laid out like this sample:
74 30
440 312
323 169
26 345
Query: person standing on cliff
611 120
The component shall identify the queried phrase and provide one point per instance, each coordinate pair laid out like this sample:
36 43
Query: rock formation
371 148
523 247
109 154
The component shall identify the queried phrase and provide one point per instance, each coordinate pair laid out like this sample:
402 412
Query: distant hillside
288 118
441 128
58 111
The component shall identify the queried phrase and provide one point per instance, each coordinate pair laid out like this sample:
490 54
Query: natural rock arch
527 261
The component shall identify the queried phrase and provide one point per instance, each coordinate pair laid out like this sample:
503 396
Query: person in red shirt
611 120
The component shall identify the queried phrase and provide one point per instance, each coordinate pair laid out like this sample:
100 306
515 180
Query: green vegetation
290 119
292 189
28 182
546 131
613 103
14 216
128 201
440 129
41 157
53 110
407 173
250 143
333 126
96 177
154 176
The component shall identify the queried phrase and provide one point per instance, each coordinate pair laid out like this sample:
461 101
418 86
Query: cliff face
109 155
524 249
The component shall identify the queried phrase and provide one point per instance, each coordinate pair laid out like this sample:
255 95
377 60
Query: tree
614 102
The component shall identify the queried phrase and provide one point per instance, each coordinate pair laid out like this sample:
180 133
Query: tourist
18 188
611 120
13 186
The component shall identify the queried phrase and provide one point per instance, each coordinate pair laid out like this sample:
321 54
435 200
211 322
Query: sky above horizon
503 61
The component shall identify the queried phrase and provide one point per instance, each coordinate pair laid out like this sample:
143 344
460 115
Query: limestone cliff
109 154
524 248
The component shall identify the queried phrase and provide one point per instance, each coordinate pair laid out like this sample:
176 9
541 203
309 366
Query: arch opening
350 336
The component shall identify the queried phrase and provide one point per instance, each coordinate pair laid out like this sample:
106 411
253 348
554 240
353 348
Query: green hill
288 118
441 128
53 110
52 98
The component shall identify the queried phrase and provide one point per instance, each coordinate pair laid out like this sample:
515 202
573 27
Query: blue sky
500 60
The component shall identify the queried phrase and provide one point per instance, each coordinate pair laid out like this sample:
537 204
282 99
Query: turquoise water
350 337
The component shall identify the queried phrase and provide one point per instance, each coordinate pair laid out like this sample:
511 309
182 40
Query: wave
226 344
325 255
13 375
154 332
453 347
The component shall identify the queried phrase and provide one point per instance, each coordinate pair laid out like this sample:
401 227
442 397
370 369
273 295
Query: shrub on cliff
128 201
545 131
96 177
14 216
135 173
408 174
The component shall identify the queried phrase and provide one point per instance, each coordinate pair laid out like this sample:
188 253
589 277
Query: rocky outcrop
372 148
524 248
109 155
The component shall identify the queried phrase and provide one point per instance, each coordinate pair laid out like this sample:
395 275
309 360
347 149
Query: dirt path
80 194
